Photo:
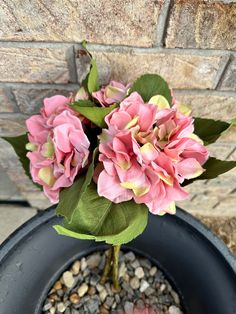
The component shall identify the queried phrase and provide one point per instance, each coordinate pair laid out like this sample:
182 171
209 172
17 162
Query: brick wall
191 43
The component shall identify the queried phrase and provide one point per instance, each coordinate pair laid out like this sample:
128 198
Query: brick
227 206
209 106
229 136
202 24
181 71
30 101
7 103
11 165
12 217
120 22
34 65
12 124
8 189
229 80
220 151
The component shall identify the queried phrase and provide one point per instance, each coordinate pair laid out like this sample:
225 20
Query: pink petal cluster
58 146
114 92
147 153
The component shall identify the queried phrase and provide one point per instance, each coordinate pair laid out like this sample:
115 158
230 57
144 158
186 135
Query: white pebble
83 290
144 285
83 264
162 287
52 310
76 267
174 310
61 307
93 261
153 271
129 307
134 283
139 272
68 279
175 297
103 295
122 270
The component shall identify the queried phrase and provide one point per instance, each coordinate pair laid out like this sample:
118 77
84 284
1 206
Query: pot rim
46 215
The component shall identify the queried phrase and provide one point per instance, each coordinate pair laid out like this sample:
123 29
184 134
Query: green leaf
18 143
214 167
210 130
93 83
149 85
70 197
83 103
95 114
99 219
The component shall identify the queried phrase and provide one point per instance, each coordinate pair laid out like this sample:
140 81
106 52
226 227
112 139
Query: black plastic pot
196 262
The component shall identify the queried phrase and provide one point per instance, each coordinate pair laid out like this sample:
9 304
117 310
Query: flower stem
107 267
115 267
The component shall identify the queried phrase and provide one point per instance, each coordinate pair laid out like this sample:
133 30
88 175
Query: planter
196 262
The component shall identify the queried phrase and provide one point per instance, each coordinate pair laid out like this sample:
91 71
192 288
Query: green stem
107 267
115 267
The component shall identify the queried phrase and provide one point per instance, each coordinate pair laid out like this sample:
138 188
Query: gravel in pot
144 289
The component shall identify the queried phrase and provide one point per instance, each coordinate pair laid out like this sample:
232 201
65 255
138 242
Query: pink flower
114 92
58 144
147 153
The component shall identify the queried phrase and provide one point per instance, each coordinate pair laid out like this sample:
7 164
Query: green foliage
93 83
94 114
149 85
214 167
97 218
19 143
70 197
82 103
210 130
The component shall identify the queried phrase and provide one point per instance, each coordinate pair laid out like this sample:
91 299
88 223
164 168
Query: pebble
93 261
57 285
61 307
174 310
91 290
144 289
175 296
153 271
75 268
94 280
144 285
68 279
103 294
103 310
128 307
134 283
122 270
129 256
162 288
83 290
47 306
93 305
83 264
52 310
74 298
139 272
109 301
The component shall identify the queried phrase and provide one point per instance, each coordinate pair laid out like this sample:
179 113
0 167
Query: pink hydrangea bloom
114 92
58 144
147 153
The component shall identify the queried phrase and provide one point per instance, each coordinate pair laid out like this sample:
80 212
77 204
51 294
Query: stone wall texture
191 43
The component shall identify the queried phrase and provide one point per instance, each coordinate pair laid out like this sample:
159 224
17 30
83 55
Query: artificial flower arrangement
108 155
